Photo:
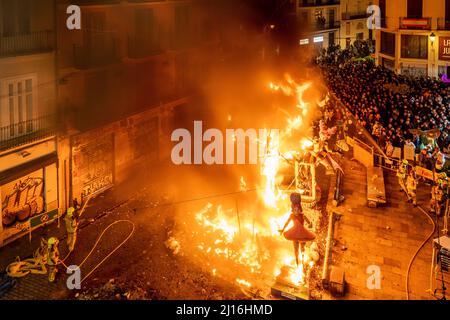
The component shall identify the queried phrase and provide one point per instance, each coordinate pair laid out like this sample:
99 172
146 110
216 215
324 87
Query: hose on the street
98 241
418 250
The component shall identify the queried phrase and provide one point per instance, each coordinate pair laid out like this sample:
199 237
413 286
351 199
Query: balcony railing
139 47
443 24
96 52
320 26
316 3
415 23
25 132
22 44
95 2
355 15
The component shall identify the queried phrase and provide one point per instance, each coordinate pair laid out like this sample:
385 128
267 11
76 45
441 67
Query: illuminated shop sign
318 39
304 41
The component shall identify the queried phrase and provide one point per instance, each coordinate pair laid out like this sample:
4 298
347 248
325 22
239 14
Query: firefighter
52 258
411 187
437 195
401 174
71 222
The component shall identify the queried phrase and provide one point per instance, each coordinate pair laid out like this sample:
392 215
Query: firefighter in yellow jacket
411 187
52 258
437 195
71 227
401 174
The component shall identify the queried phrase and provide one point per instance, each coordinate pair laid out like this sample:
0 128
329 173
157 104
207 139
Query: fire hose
97 242
418 250
37 264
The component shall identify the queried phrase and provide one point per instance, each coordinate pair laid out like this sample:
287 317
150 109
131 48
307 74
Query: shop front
28 190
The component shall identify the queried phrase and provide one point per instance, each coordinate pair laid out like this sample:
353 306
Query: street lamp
432 38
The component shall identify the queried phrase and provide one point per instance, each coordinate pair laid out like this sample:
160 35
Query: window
331 38
447 10
347 28
304 17
360 36
181 26
146 29
388 43
18 105
414 8
382 5
414 46
16 17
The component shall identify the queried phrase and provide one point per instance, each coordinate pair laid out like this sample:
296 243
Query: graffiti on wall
22 199
93 165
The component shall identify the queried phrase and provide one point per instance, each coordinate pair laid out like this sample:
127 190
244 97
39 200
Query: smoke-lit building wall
121 79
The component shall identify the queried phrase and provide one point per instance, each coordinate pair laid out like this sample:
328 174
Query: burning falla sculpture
321 152
298 234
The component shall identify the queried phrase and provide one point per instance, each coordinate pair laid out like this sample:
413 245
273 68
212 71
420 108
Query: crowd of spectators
389 105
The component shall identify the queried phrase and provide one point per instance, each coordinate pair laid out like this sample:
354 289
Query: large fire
245 243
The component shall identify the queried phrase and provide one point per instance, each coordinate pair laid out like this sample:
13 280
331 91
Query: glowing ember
244 282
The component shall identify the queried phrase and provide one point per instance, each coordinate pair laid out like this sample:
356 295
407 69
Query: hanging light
432 37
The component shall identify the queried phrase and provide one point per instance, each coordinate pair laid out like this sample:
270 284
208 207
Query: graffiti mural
93 166
22 199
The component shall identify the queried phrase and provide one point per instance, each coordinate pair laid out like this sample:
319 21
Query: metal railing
443 24
27 131
138 47
21 44
415 23
318 26
95 2
354 15
314 3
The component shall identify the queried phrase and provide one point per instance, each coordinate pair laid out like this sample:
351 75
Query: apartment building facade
28 155
414 38
121 78
326 22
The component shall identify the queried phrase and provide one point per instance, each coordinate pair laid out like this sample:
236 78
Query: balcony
27 131
443 24
99 50
23 44
355 15
139 48
318 3
318 26
95 2
415 23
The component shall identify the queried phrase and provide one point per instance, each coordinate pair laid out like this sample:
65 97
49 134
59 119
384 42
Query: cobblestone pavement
386 236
